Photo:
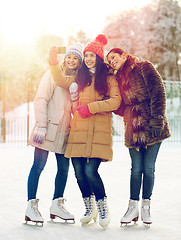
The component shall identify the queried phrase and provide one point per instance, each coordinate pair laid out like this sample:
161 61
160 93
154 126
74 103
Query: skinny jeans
40 159
88 178
143 171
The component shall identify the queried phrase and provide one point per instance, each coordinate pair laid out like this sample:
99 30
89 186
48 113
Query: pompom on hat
75 49
97 46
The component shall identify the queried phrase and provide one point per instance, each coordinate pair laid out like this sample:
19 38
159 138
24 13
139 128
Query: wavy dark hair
130 60
84 77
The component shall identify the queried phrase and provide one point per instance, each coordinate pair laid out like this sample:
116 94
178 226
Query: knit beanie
97 46
75 49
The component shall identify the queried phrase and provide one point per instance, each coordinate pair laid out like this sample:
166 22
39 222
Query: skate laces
102 206
146 210
88 205
61 205
35 209
130 209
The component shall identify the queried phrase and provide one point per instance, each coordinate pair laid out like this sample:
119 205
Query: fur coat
143 104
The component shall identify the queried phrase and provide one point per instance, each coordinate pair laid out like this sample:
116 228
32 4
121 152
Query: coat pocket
51 132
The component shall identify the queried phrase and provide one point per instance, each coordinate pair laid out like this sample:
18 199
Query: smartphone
62 50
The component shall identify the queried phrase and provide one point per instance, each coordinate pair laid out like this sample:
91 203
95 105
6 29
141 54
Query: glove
84 111
39 135
156 132
74 94
53 55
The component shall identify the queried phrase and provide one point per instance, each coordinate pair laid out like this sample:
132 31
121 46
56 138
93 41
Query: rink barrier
15 131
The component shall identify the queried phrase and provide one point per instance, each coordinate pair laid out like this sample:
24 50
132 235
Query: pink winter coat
52 106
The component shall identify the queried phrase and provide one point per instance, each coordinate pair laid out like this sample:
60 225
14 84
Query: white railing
16 132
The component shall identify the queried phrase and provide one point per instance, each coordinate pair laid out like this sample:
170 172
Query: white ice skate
104 217
132 213
58 209
145 212
91 210
32 213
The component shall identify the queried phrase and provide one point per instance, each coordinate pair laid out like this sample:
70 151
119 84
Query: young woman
52 113
143 107
90 139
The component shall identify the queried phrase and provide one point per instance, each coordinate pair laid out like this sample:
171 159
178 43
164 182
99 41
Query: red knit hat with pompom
97 46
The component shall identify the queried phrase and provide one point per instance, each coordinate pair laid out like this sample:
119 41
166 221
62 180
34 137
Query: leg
61 176
132 212
150 156
79 168
88 198
57 208
91 171
40 159
32 213
95 181
136 173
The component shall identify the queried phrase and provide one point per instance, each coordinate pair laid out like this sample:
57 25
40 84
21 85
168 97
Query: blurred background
149 29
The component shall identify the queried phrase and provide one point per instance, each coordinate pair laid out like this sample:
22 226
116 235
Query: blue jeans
40 159
88 178
143 171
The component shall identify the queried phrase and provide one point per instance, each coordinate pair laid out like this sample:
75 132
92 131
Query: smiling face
116 61
72 61
90 59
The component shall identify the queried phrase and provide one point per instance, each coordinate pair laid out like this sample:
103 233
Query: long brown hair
84 78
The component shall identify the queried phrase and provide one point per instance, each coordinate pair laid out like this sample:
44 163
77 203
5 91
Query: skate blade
61 220
91 221
85 224
104 227
147 224
29 222
135 220
123 224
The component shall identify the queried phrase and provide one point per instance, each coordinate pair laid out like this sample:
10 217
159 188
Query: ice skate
58 210
132 213
32 214
145 212
91 210
104 217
